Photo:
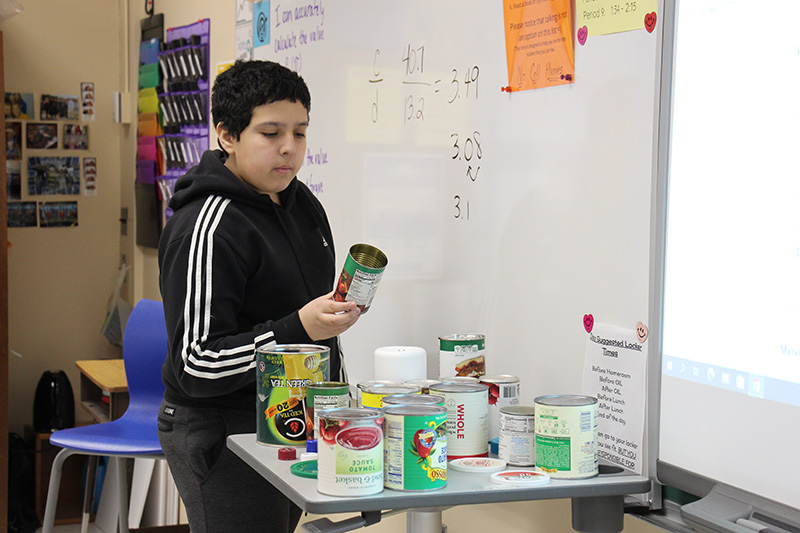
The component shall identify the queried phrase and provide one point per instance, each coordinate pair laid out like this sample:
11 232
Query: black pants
220 491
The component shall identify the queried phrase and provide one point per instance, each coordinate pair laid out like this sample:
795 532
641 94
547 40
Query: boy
245 261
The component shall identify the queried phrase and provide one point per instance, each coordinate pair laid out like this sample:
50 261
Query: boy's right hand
323 318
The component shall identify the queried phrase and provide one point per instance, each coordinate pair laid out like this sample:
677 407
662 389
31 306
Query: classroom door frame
3 320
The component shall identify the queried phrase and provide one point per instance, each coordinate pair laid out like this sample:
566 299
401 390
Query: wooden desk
99 376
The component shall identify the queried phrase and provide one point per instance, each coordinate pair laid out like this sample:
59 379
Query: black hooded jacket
235 270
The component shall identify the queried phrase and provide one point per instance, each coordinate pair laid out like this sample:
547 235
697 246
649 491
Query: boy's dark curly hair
249 84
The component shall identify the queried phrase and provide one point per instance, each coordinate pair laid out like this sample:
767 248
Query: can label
324 395
350 461
516 442
282 374
467 418
360 276
415 448
566 437
462 355
503 392
373 396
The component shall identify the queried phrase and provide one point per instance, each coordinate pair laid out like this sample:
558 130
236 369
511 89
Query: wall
60 279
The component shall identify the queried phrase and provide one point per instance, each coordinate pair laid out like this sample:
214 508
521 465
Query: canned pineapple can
283 372
566 436
503 392
467 418
365 384
415 447
360 276
462 355
350 451
324 395
373 395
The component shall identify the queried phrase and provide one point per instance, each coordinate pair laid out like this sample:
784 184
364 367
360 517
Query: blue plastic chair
135 433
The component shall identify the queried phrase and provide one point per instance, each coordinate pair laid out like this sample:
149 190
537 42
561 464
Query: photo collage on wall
47 157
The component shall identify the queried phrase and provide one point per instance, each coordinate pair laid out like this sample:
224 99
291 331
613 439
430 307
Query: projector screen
730 362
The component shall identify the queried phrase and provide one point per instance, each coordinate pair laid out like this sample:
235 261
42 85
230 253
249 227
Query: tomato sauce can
462 355
283 372
415 447
412 399
350 451
566 436
373 395
467 418
516 442
324 395
503 392
360 276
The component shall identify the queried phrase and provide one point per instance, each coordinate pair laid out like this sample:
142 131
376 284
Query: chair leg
53 488
88 492
122 487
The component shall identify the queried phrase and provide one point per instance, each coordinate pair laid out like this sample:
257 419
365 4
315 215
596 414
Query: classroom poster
539 48
615 374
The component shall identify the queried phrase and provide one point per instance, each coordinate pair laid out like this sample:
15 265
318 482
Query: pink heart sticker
650 21
588 323
583 32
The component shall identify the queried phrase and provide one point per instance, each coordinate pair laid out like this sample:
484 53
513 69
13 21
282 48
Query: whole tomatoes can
350 451
503 392
360 276
415 447
283 372
467 418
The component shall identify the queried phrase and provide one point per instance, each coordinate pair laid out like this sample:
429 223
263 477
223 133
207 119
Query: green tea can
566 436
415 447
360 276
283 372
350 451
324 395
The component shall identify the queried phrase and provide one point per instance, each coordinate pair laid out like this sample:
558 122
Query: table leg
598 514
424 520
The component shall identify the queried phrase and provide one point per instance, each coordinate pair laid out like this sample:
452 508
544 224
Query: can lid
415 410
305 468
565 400
412 399
478 465
287 454
499 378
459 387
519 410
520 478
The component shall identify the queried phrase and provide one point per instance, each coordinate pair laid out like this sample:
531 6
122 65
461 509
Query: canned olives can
566 436
360 276
415 447
350 451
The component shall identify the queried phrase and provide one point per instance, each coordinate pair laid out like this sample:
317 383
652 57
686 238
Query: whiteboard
551 222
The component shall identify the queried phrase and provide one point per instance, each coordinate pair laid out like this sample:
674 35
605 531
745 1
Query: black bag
22 516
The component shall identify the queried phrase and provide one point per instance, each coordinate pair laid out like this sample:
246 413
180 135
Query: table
597 503
99 376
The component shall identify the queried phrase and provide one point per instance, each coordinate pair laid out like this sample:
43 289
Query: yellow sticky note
600 17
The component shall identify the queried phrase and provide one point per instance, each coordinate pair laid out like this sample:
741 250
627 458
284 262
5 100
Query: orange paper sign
539 47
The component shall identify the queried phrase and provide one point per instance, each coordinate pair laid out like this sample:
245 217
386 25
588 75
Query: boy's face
271 149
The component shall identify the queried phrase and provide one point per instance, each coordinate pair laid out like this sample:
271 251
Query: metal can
503 392
462 355
364 384
283 372
423 384
517 446
415 447
412 399
373 395
566 436
324 395
350 452
360 276
467 418
459 379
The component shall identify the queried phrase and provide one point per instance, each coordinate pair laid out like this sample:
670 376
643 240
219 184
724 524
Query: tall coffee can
360 276
283 372
462 355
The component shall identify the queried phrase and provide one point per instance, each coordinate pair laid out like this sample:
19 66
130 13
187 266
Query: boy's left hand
323 318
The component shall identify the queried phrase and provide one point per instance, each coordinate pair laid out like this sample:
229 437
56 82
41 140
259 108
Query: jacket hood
212 177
